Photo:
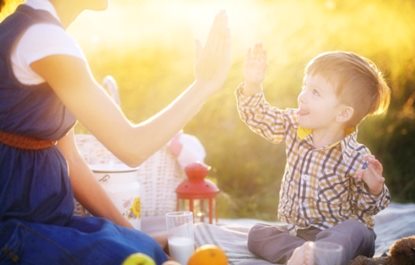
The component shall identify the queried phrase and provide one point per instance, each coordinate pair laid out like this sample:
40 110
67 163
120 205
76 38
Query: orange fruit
208 255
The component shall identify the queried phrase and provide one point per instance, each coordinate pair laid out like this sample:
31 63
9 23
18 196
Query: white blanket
395 222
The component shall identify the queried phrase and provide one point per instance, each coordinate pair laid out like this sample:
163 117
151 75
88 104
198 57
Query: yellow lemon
208 255
138 259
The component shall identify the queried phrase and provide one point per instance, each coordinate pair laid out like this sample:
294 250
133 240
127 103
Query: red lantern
198 194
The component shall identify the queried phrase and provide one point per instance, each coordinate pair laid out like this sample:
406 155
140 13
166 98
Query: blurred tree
151 72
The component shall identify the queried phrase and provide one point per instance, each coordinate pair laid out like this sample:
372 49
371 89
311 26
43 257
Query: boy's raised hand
254 69
371 175
214 59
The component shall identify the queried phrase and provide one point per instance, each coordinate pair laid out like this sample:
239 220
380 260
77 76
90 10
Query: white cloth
39 41
396 221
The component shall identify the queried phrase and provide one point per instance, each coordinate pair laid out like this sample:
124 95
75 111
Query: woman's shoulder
47 33
43 39
37 42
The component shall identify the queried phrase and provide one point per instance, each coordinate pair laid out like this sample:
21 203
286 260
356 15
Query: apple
138 259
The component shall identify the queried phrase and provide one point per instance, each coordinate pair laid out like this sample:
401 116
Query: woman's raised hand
214 59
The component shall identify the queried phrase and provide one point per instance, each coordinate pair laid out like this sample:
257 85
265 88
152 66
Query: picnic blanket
395 222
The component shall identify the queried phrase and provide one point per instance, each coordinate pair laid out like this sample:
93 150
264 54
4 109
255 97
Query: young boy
332 186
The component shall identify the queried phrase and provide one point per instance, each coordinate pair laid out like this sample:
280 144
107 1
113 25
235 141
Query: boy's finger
249 54
258 47
249 57
255 49
374 172
368 156
376 165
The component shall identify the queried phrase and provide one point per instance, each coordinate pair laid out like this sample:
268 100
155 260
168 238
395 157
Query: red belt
25 142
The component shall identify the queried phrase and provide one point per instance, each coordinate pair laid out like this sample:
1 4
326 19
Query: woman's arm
87 189
84 184
72 81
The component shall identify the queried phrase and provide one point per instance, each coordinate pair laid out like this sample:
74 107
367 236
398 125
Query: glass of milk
180 235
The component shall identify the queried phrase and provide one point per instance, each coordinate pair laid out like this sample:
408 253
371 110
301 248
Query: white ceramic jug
123 187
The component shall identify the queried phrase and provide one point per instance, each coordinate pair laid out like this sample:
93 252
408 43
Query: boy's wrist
249 89
374 191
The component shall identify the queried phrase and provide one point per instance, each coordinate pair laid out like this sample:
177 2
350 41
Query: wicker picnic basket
158 176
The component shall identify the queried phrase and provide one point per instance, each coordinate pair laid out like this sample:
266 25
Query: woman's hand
214 59
254 69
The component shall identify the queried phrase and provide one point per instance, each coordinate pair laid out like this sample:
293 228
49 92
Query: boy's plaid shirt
317 187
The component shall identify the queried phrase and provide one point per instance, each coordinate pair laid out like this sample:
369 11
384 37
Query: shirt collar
43 5
346 142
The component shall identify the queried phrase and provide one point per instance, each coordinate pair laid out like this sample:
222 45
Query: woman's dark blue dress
37 225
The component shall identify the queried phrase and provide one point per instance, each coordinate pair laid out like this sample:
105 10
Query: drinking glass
180 235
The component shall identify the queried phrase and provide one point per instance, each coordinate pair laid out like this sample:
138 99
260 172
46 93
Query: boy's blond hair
358 82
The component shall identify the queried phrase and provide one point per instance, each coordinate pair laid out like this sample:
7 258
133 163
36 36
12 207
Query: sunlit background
148 46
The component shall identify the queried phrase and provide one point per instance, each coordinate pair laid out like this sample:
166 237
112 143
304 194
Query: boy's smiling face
319 107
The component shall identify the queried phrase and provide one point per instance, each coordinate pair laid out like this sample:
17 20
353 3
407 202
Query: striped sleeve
271 123
370 203
365 201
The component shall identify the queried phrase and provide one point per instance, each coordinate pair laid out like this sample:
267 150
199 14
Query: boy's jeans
275 244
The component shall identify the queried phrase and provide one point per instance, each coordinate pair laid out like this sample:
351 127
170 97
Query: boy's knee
350 228
352 234
256 236
366 237
272 243
253 237
357 229
259 235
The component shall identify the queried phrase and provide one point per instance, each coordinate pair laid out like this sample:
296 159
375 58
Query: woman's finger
198 46
216 32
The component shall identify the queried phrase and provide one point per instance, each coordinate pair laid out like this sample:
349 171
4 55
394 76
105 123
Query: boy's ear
345 114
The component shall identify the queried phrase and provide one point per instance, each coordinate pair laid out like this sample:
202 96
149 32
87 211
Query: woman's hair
358 82
2 2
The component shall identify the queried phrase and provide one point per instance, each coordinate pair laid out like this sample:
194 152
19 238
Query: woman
45 86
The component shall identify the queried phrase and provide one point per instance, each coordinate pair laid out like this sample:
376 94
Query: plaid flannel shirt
317 188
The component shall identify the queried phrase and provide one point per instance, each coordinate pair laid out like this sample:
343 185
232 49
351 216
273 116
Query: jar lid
111 168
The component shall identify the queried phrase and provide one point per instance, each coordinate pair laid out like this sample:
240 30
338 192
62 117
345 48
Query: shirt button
306 177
